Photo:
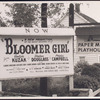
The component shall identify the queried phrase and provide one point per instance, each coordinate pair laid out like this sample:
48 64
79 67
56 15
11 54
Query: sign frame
39 32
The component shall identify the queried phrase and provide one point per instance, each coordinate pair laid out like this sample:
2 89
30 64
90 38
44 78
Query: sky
91 9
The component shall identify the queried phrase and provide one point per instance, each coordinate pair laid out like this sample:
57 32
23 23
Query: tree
2 24
29 15
55 13
24 14
55 9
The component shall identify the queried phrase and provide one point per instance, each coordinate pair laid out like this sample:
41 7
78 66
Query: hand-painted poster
35 56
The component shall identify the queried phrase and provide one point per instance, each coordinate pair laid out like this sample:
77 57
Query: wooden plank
43 81
78 24
96 92
71 15
0 88
91 30
19 31
91 94
71 83
80 89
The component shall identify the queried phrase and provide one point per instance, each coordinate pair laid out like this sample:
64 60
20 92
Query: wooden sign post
43 81
71 24
71 15
0 88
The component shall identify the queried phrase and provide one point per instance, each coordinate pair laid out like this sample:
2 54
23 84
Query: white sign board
35 56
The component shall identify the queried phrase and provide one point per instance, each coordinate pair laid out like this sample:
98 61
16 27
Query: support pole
44 15
71 83
0 88
71 15
91 93
71 24
43 81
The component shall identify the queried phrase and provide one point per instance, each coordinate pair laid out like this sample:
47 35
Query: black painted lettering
41 48
22 49
34 48
47 47
28 49
45 30
15 49
54 48
9 48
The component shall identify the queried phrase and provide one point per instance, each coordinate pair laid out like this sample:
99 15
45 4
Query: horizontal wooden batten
77 24
37 31
93 30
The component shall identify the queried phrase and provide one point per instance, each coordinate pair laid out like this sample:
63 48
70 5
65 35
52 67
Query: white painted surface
19 61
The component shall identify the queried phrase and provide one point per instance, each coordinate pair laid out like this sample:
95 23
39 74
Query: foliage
28 86
2 23
58 85
85 81
87 76
79 67
24 14
55 12
97 64
92 71
55 8
29 15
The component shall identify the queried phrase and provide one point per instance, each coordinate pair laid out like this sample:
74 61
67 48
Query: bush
27 86
86 82
92 71
79 67
97 64
58 85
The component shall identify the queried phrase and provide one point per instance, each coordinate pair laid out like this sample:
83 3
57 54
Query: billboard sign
26 56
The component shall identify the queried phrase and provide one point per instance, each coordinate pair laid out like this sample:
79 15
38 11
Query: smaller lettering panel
88 44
